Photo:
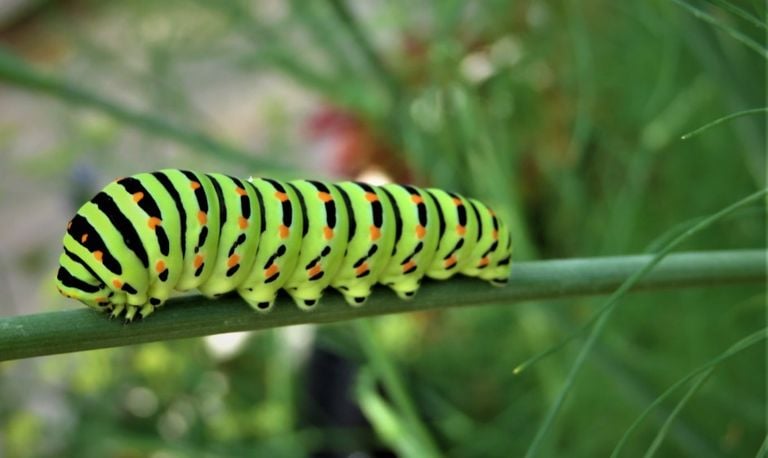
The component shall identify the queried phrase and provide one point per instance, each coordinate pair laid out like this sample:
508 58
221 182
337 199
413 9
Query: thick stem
83 329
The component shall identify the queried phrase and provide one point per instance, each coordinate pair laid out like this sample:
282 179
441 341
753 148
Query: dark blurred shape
84 182
330 403
24 27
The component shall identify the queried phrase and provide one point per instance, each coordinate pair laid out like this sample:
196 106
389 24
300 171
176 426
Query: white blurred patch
56 417
537 15
359 454
163 454
225 346
271 11
210 390
141 402
374 176
427 110
175 422
540 76
506 51
298 341
477 67
155 29
172 425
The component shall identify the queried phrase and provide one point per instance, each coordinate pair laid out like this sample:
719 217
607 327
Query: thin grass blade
738 36
603 314
735 349
385 370
743 14
726 118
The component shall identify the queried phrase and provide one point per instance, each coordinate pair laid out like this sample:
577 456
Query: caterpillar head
74 281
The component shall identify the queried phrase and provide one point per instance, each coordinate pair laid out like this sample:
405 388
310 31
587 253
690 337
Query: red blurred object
347 146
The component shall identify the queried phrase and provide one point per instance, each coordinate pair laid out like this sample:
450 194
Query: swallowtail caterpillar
144 236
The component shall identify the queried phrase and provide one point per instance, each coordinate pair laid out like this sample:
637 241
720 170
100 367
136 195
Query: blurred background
566 116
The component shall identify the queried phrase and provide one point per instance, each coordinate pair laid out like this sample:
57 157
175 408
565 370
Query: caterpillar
144 236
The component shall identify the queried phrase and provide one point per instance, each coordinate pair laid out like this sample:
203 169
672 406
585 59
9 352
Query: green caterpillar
146 235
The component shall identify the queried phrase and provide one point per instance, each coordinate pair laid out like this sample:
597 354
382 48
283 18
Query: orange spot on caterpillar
314 270
495 234
371 197
324 196
153 222
100 299
198 261
281 196
242 222
69 225
458 202
233 260
484 262
327 233
241 192
409 265
98 255
450 262
283 231
117 283
137 196
361 269
202 217
271 270
83 238
420 231
194 185
416 199
375 232
461 230
160 266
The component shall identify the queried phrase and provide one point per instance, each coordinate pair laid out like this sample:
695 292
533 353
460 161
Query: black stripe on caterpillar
144 236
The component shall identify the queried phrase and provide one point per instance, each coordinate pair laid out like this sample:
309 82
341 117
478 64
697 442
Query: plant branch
16 72
348 20
84 329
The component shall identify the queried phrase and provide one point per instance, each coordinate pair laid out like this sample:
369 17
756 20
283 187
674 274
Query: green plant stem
16 72
386 371
763 451
738 36
662 433
346 18
394 432
723 119
84 329
743 14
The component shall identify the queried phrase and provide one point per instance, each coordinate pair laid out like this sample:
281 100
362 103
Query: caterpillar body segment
458 235
323 241
280 235
370 239
144 236
415 241
239 235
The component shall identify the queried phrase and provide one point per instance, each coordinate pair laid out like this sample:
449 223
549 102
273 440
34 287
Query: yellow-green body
145 236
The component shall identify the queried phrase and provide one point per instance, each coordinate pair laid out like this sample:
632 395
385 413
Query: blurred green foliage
566 115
